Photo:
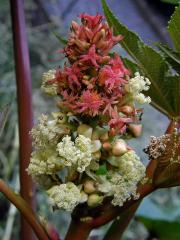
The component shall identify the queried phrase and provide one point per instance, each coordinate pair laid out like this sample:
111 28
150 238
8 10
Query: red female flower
118 123
91 21
90 103
110 78
118 66
73 74
91 57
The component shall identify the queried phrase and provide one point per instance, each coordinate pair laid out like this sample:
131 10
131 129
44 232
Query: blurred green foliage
171 1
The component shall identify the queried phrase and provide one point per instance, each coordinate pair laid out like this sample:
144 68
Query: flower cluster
93 83
136 85
80 154
157 146
122 183
75 154
65 196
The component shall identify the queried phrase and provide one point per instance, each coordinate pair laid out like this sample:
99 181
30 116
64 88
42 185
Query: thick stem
24 98
25 210
119 225
78 231
172 125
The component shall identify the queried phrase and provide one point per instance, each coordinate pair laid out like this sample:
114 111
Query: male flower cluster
80 154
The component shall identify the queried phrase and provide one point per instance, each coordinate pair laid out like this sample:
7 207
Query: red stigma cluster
92 83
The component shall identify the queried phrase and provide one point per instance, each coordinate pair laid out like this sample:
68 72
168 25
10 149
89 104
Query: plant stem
24 98
172 125
11 213
78 231
25 210
118 227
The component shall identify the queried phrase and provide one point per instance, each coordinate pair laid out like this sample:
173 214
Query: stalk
118 227
25 210
78 231
24 99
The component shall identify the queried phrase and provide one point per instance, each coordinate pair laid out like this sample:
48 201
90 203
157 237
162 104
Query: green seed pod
85 130
89 187
96 145
95 135
104 137
94 200
119 148
97 155
135 129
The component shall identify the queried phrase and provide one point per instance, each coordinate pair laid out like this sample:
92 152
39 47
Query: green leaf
150 63
102 170
162 229
174 28
130 65
173 86
61 39
172 57
171 1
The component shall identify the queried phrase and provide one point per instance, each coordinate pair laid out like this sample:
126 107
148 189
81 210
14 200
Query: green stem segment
25 210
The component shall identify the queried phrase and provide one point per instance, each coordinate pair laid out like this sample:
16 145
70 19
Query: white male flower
67 151
75 154
136 85
122 183
122 189
47 132
131 172
65 196
48 86
84 156
44 161
131 167
141 99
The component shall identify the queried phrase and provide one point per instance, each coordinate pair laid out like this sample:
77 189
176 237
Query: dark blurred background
148 18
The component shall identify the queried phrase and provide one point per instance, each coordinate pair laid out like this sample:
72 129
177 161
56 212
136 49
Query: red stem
27 212
118 227
24 98
78 231
172 125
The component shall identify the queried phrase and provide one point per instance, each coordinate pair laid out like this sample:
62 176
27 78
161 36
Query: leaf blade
172 57
149 61
174 28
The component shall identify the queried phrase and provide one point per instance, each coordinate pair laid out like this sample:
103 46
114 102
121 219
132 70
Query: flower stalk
25 114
